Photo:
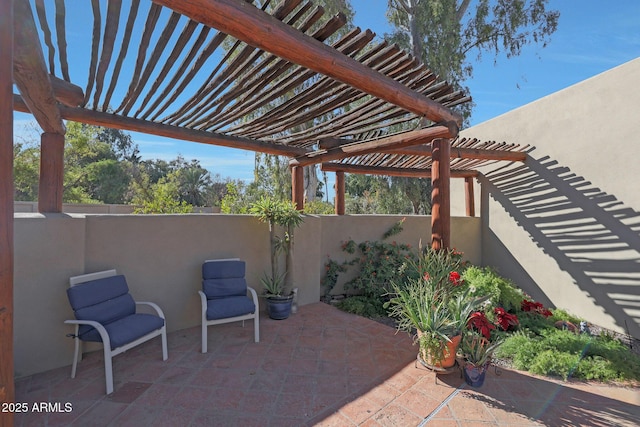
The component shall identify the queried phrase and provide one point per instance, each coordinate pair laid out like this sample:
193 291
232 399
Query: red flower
480 323
426 276
507 321
454 278
535 307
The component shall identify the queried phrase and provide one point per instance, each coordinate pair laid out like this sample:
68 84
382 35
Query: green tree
26 170
93 169
233 201
163 197
369 194
443 33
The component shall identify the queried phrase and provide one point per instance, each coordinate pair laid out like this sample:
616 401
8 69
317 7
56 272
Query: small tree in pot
283 214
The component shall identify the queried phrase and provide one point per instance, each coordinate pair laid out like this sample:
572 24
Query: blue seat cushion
229 307
124 330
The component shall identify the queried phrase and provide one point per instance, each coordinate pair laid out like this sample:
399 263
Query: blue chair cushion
222 279
124 330
224 288
104 300
229 307
96 291
226 269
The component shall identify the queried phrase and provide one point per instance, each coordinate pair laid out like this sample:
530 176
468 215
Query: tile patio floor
320 367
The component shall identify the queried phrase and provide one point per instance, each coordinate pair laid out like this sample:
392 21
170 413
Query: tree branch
462 9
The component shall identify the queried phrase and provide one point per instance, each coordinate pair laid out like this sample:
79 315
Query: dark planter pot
473 375
279 308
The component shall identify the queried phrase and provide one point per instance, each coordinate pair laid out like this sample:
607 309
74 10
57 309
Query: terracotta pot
449 358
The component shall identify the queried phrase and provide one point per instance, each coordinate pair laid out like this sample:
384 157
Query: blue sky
592 37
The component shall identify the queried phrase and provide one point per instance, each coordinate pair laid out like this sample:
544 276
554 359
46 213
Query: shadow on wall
589 233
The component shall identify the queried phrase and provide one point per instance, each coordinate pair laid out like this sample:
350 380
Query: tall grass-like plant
419 311
476 350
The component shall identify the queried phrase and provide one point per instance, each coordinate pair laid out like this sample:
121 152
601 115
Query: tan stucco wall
161 256
564 225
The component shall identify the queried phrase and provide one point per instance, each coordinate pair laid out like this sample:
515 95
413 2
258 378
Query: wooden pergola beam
390 171
66 93
30 72
462 153
7 386
245 22
114 121
406 139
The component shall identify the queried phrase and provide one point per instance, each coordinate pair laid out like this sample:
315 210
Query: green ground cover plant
534 338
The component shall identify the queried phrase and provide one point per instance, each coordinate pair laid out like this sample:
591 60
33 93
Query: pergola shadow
592 235
511 398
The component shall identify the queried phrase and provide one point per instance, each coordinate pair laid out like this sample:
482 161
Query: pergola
224 72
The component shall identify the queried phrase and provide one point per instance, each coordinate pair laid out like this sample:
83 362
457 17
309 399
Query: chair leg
256 328
165 353
108 369
77 353
204 336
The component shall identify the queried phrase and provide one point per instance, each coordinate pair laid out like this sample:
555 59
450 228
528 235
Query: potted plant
282 214
476 352
430 303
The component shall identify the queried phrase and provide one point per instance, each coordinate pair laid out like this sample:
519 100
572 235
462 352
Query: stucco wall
564 225
161 256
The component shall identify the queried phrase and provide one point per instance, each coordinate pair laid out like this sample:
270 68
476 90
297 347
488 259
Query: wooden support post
339 193
51 172
469 196
297 186
440 195
7 386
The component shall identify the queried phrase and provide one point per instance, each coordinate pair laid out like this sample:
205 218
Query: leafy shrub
377 264
486 281
554 363
363 306
534 322
560 314
520 348
318 207
563 353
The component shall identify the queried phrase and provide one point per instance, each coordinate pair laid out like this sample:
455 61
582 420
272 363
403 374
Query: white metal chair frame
255 315
104 335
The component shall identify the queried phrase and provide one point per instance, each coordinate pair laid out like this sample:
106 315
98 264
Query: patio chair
106 312
225 298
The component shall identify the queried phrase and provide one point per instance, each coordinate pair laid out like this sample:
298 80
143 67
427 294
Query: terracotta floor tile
128 392
321 367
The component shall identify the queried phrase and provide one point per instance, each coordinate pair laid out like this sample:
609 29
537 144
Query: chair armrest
98 326
203 300
153 305
254 295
